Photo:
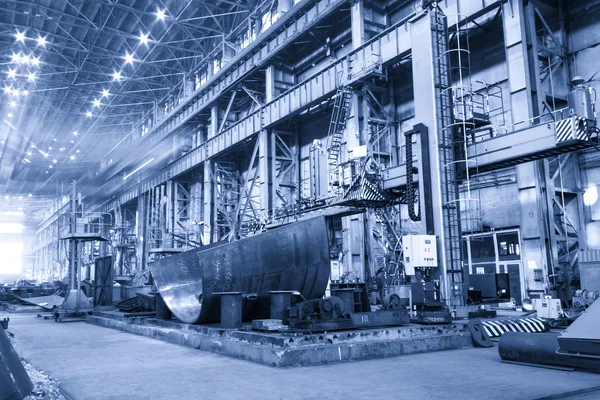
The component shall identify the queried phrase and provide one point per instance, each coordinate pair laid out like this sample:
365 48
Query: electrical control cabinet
420 251
547 307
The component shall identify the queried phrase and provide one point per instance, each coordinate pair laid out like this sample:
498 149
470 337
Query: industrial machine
77 227
420 253
547 307
585 298
491 287
578 346
420 258
294 257
330 313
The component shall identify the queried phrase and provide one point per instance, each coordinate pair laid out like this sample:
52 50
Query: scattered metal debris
44 386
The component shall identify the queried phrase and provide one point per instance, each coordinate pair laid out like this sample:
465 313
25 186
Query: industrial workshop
244 199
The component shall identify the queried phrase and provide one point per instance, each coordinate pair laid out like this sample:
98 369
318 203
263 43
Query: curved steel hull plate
293 257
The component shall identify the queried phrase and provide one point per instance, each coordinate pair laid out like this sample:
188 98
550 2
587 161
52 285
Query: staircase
339 117
390 221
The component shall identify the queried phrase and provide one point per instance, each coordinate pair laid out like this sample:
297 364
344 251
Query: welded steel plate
46 302
293 257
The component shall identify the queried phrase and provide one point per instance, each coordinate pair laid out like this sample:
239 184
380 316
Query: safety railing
81 224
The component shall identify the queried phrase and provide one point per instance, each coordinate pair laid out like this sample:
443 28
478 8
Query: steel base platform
293 349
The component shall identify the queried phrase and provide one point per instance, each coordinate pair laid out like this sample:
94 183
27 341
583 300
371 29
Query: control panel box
547 307
420 251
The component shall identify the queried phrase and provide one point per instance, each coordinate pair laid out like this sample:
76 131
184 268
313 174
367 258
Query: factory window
482 249
244 40
201 78
216 64
508 246
269 19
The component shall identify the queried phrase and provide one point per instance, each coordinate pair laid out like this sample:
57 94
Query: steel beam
391 44
283 32
528 144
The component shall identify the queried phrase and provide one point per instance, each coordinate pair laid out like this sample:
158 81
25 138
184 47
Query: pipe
293 257
540 348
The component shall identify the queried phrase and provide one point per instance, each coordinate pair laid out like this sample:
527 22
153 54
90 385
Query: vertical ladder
447 133
339 117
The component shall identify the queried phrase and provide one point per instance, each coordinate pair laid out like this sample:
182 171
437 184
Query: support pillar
141 233
209 233
357 17
270 83
524 105
264 173
426 104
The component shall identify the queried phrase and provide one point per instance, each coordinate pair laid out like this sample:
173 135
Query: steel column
426 104
265 173
525 105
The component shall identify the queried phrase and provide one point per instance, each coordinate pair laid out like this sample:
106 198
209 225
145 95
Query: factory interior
234 199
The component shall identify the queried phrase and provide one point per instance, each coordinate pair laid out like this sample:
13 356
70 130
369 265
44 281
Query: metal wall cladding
293 257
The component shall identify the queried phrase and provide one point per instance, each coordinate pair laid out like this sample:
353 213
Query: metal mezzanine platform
524 145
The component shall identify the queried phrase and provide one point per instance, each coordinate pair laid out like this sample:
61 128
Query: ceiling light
62 148
35 61
75 133
77 151
117 76
54 161
72 158
29 195
44 154
46 171
160 14
50 165
7 89
144 38
29 153
105 93
20 36
27 160
9 115
50 148
31 77
13 104
41 41
128 58
15 57
88 114
72 141
54 139
12 73
16 92
97 103
24 59
25 92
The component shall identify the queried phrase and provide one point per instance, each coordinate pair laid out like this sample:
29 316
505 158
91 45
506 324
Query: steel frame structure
228 114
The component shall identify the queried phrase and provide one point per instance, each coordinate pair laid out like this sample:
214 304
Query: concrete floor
98 363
